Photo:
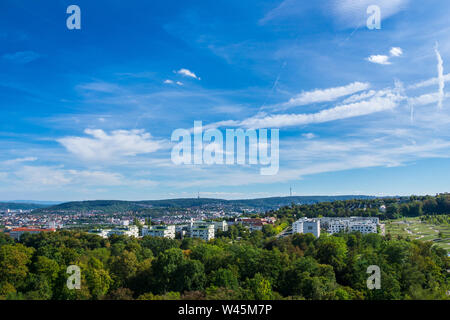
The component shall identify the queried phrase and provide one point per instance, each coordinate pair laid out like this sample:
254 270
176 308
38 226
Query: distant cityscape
203 225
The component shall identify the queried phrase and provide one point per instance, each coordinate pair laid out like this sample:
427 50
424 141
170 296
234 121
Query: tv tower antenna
290 191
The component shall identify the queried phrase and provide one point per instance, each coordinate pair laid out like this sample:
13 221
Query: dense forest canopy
238 264
257 266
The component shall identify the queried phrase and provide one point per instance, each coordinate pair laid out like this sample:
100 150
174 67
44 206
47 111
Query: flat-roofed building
305 225
163 231
364 225
100 232
130 231
218 225
202 231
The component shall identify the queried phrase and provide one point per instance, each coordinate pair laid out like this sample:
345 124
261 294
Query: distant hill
47 203
261 204
21 206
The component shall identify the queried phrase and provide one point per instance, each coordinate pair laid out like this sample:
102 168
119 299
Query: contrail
441 81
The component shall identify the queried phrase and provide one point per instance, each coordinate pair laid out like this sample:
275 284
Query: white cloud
51 177
359 97
179 83
103 146
352 13
429 82
427 98
19 160
380 59
383 59
396 51
168 81
441 81
376 104
324 95
41 176
187 73
309 135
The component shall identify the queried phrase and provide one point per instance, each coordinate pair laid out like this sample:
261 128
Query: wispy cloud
100 86
104 146
309 135
22 57
322 95
396 51
351 13
286 8
441 81
19 160
376 104
359 97
429 82
187 73
379 59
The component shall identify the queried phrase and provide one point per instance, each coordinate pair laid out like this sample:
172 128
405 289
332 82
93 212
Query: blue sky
88 114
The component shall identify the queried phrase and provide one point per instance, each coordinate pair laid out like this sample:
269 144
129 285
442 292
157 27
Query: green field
415 229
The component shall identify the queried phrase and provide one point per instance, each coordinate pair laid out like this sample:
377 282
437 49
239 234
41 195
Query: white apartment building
305 225
218 225
100 232
364 228
337 226
163 231
130 231
364 225
202 231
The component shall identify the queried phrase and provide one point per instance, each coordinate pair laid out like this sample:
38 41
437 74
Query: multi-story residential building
100 232
202 231
17 233
131 231
338 226
364 228
305 225
218 225
163 231
350 224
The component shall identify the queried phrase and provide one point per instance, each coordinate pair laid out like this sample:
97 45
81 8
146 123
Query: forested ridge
152 206
395 208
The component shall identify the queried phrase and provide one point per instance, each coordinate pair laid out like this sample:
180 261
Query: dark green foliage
236 265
